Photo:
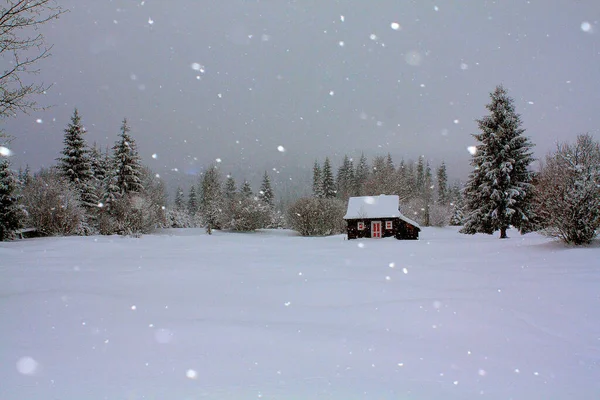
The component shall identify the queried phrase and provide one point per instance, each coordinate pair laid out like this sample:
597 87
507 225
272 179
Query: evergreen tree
266 191
179 199
193 201
127 163
420 177
246 190
345 179
75 164
361 175
230 189
328 181
211 200
427 194
499 191
98 163
442 185
457 204
317 181
10 212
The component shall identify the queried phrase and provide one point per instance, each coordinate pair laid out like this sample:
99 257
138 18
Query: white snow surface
181 315
382 206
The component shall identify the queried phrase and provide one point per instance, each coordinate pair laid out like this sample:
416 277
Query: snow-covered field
181 315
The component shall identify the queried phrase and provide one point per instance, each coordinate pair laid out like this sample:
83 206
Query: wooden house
378 217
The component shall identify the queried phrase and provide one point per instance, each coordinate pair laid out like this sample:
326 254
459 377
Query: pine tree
266 191
75 164
193 201
211 200
98 163
127 163
179 199
328 181
427 194
10 213
499 191
420 177
345 179
361 176
230 189
317 187
442 185
246 190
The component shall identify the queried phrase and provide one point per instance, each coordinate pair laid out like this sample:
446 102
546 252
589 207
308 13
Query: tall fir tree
230 188
179 199
246 190
499 191
266 191
317 187
361 175
420 175
10 212
345 179
127 163
442 185
192 201
75 164
328 181
427 194
211 200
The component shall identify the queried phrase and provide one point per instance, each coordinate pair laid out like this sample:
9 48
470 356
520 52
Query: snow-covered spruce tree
211 200
127 164
192 204
179 198
11 215
328 180
317 186
457 205
75 162
442 185
499 191
567 192
345 179
246 190
361 176
266 191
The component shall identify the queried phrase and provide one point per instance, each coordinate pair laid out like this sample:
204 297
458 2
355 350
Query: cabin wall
400 229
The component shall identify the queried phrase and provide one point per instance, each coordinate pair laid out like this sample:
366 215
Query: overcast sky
234 79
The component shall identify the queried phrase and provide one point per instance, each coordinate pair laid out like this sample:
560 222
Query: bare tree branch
21 47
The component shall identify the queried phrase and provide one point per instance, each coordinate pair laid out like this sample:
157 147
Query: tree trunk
503 233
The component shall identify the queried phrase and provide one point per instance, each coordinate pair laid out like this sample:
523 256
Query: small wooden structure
378 217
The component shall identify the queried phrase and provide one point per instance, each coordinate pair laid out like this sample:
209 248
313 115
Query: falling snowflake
5 151
586 26
342 18
218 160
27 366
39 121
395 26
456 121
281 149
341 43
155 156
472 150
331 93
405 270
373 36
361 245
191 374
464 66
392 265
150 21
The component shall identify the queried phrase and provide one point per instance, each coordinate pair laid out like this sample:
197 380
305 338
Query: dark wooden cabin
379 217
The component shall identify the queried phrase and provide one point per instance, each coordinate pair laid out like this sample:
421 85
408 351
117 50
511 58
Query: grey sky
276 73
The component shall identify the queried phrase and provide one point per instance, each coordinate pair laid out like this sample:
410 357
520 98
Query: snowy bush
179 218
246 214
567 194
439 215
317 216
53 206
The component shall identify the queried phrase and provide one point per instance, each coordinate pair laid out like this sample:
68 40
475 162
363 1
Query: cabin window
388 224
361 226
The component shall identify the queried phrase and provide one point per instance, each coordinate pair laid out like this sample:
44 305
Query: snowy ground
181 315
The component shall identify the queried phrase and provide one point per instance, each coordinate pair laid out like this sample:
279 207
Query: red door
376 229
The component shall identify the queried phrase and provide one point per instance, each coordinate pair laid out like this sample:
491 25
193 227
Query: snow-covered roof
382 206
